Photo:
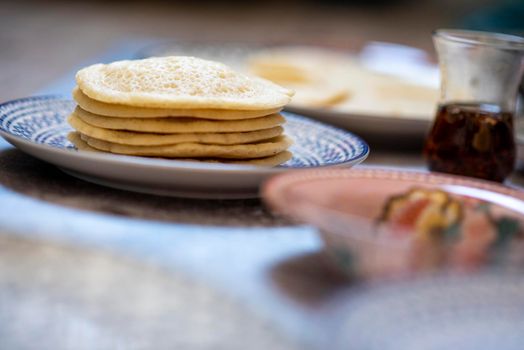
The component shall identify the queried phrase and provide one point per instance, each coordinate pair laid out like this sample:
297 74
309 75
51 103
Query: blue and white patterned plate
37 126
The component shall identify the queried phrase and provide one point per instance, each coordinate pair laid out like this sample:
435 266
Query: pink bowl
349 205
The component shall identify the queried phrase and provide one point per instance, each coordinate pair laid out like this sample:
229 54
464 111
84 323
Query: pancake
75 138
153 139
179 82
179 124
295 64
320 77
271 161
196 150
311 72
318 95
118 110
391 97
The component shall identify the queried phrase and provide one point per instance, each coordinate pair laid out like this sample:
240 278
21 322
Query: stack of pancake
180 107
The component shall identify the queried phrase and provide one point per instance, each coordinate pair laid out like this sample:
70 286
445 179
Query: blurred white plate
376 128
408 63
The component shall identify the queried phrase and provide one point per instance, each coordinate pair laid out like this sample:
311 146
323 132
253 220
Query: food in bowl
461 232
385 223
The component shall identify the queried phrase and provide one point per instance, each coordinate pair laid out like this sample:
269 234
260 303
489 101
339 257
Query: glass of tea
472 133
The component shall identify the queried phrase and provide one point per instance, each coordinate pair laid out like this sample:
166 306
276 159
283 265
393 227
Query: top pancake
179 82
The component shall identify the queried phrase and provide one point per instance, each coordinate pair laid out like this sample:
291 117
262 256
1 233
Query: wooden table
233 263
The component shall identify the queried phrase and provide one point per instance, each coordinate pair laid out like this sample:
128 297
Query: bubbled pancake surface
179 82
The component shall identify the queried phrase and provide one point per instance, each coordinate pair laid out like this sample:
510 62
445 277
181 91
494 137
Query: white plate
379 129
37 126
396 60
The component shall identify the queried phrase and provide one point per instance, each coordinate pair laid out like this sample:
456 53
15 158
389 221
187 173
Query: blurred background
41 40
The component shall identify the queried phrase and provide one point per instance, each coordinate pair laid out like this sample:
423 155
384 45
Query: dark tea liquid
473 140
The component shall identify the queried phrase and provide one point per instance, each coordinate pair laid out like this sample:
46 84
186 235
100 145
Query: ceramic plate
371 219
393 59
376 128
37 126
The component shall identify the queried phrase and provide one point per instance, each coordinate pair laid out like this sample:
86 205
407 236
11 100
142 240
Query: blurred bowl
384 223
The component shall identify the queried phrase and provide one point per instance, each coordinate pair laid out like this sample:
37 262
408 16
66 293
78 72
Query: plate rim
355 117
273 190
310 112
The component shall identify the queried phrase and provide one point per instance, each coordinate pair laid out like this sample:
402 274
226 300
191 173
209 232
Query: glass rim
473 37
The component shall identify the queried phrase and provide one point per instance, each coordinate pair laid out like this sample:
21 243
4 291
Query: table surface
266 270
